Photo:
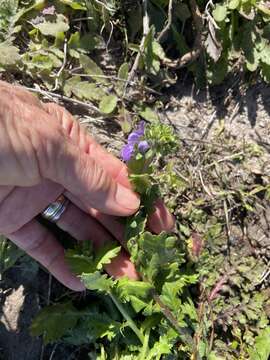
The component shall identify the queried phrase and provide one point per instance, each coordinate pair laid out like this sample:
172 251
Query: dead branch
146 27
169 22
198 43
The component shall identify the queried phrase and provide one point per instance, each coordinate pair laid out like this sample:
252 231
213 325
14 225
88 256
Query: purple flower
37 20
133 138
143 146
140 128
48 11
127 152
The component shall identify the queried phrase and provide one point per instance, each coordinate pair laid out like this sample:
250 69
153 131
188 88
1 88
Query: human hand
44 153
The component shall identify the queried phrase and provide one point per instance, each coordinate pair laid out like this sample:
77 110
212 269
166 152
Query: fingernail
127 198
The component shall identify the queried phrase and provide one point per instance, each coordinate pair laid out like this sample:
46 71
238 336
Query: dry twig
169 22
198 43
52 95
62 67
146 28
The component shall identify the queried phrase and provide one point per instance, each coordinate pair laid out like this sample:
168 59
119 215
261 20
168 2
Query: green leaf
158 50
54 29
106 254
79 263
91 68
9 54
97 281
135 292
123 71
220 13
9 254
8 10
155 254
261 350
135 225
148 114
123 75
54 321
77 44
265 71
233 4
161 347
88 91
76 5
83 89
100 326
152 53
171 290
108 104
265 54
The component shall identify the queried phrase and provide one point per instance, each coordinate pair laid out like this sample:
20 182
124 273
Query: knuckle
100 181
53 258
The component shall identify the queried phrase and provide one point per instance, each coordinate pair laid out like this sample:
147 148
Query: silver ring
55 210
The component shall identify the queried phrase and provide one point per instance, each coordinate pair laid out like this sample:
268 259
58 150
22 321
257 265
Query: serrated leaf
105 255
91 68
97 281
155 253
108 104
135 292
220 13
54 321
102 326
49 28
161 347
171 290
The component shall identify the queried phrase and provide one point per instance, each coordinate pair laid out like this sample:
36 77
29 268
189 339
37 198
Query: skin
43 153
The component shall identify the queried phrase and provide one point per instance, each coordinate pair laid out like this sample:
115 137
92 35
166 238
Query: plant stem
145 345
125 315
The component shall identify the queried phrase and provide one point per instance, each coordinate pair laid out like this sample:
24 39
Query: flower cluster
135 139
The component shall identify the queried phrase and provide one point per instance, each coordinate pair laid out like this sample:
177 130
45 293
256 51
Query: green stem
125 315
145 345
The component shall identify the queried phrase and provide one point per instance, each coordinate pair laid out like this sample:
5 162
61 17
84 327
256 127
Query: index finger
113 166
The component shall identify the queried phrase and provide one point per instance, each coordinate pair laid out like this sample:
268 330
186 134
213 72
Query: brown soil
196 118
